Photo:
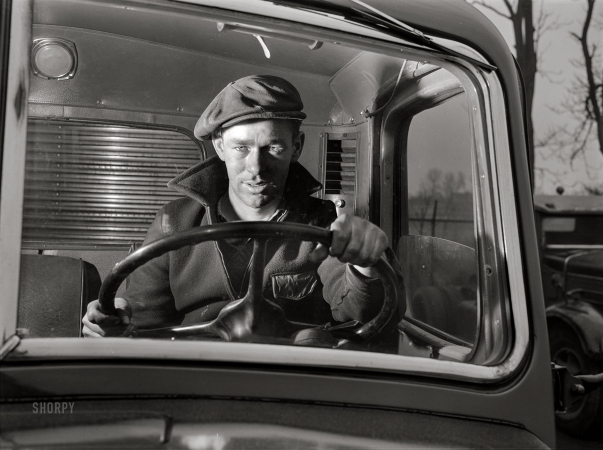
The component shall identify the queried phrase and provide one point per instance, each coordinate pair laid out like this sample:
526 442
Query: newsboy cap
253 97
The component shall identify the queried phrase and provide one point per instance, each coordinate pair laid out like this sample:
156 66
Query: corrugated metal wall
94 185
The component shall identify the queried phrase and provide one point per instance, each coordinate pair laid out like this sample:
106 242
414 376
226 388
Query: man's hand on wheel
98 324
355 241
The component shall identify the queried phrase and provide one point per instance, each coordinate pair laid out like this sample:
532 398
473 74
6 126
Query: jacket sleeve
148 287
352 296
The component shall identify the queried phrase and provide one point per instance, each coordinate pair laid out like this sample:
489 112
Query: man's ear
298 145
218 143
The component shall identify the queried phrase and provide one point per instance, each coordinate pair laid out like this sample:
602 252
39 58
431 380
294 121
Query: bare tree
585 101
427 197
527 34
453 184
436 199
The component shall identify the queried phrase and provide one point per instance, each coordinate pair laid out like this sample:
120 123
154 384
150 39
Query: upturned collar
207 181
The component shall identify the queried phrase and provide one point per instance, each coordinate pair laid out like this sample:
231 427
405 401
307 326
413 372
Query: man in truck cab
254 124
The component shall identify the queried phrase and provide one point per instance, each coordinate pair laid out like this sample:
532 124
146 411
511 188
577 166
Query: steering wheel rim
260 232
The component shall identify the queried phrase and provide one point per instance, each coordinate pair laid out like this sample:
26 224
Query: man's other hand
355 241
98 324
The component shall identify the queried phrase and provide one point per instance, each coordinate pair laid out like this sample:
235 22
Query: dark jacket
193 284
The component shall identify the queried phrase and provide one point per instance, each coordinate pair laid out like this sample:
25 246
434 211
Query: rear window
92 185
573 230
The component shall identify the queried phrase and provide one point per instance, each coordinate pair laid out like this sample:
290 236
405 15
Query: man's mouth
257 186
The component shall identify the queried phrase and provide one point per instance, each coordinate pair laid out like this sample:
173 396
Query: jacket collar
207 181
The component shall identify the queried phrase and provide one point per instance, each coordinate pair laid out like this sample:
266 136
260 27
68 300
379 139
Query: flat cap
252 97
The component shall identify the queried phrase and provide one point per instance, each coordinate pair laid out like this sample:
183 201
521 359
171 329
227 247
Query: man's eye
241 149
276 149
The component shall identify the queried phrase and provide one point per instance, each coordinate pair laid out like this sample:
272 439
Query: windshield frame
491 120
13 163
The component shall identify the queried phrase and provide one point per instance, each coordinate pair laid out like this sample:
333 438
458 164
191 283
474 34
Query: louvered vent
93 186
340 176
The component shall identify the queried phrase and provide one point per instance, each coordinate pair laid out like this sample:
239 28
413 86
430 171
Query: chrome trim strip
573 247
493 239
152 349
13 164
567 262
510 229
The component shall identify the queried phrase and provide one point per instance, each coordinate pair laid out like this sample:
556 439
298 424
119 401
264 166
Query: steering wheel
254 317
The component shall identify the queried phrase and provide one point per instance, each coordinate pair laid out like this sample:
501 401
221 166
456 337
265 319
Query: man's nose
255 161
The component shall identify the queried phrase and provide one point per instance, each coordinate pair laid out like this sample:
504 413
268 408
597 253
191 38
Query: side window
437 245
440 197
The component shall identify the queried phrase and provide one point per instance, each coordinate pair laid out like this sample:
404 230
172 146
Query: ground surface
567 442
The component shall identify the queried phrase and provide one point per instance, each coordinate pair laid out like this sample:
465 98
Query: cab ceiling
187 30
173 61
119 73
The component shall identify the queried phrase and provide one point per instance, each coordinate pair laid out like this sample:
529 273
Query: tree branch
491 8
510 7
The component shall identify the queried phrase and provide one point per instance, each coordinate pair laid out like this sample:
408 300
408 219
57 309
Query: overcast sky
558 50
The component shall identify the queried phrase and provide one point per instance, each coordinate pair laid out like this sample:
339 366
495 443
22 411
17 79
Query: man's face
257 154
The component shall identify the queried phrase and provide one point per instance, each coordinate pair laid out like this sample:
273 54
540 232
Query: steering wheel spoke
256 272
254 318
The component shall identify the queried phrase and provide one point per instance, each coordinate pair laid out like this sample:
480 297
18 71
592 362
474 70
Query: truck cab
414 122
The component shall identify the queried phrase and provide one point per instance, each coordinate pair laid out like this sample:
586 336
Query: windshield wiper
392 22
378 20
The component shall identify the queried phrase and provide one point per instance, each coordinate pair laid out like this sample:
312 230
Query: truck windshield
388 134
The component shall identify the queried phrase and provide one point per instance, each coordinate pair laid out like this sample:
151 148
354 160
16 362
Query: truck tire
586 415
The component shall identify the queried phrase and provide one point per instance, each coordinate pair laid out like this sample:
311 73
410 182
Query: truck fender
584 320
